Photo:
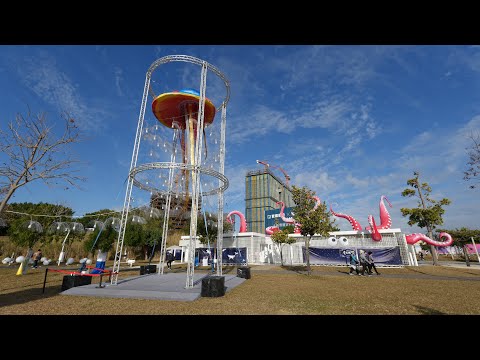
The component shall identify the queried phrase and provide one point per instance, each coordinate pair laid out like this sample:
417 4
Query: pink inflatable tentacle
416 237
297 229
376 236
385 218
271 229
243 222
291 220
317 203
282 214
355 224
384 197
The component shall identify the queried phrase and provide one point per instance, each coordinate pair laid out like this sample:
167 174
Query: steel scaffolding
194 168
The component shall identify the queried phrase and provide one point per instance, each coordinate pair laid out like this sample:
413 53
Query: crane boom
267 165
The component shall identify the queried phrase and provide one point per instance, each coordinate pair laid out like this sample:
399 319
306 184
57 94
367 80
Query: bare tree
474 162
32 152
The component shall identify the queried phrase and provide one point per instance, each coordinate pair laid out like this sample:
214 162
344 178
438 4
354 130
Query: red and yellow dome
173 106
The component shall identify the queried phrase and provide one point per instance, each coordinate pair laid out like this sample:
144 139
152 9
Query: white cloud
361 183
43 76
235 194
118 80
261 121
320 182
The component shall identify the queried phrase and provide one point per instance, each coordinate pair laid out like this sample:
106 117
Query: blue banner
202 253
330 256
341 256
272 217
230 256
386 256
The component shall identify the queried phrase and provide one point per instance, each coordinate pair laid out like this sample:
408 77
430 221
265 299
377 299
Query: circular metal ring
180 166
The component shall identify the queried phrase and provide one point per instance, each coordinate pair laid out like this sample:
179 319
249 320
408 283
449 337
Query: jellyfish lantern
179 109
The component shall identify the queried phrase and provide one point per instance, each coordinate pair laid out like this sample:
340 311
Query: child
36 258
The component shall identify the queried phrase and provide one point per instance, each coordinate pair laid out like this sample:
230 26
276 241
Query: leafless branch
32 151
473 165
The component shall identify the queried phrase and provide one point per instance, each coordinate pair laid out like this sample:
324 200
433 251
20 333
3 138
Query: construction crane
267 165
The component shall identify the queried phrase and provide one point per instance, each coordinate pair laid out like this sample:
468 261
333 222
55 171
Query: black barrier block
213 286
70 281
244 272
148 269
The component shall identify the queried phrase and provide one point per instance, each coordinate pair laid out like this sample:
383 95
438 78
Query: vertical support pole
220 195
411 250
166 214
45 280
128 191
62 253
197 161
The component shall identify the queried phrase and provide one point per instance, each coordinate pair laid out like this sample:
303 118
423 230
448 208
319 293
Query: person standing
169 258
364 263
353 264
371 263
421 255
36 258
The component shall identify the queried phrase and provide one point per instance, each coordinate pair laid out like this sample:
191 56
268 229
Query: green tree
88 219
102 238
281 238
207 234
21 236
152 238
135 237
207 231
312 221
429 212
32 152
18 216
473 164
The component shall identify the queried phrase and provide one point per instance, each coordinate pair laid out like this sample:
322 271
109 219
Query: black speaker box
244 272
148 269
213 286
70 281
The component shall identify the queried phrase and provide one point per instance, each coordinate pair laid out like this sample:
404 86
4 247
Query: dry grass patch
271 291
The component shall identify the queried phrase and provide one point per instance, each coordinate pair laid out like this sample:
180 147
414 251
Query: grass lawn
272 290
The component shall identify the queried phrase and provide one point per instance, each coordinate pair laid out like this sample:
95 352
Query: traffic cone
20 269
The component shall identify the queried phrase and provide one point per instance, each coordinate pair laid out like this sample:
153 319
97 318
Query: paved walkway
168 286
456 264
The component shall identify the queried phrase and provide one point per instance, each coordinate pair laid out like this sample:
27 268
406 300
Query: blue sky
351 123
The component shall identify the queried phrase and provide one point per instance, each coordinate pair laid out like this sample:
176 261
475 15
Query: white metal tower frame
195 169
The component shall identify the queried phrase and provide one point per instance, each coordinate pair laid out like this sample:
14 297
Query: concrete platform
169 286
